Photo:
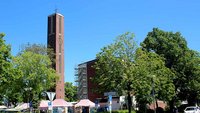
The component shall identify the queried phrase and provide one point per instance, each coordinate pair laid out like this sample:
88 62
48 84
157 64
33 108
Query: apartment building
86 88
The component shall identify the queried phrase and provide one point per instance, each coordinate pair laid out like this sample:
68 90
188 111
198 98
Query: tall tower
55 40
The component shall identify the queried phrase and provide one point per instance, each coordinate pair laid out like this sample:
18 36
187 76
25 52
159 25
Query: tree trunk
142 107
171 105
156 106
129 102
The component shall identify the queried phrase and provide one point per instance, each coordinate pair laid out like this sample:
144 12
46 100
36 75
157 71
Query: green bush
119 111
123 111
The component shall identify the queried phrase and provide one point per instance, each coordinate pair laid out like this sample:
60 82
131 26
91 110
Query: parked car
192 109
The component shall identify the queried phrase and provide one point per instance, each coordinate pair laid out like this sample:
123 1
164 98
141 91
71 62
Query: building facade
86 88
84 73
55 40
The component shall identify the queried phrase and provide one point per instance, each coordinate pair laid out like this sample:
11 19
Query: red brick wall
56 38
91 86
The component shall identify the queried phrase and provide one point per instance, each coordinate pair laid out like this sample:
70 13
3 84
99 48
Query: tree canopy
5 63
37 75
115 63
115 66
38 49
7 71
70 92
124 68
24 77
154 80
182 61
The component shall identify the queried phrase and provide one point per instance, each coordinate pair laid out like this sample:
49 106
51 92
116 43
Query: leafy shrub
119 111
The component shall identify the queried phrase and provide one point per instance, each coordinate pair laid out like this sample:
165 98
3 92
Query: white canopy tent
85 103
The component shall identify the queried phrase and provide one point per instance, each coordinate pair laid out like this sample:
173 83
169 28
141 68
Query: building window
60 24
54 23
51 25
60 44
60 65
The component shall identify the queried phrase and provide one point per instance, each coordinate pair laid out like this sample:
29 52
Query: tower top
56 13
56 10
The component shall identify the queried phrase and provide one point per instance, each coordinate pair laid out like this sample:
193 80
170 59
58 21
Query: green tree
153 81
7 73
115 66
188 69
12 90
39 49
36 75
5 64
70 92
124 68
179 59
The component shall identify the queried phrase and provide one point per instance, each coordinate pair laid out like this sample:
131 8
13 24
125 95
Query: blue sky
93 24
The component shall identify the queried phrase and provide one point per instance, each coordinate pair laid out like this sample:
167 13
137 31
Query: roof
56 14
61 103
56 103
85 103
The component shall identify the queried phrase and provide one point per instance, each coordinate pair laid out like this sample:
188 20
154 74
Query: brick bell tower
55 40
